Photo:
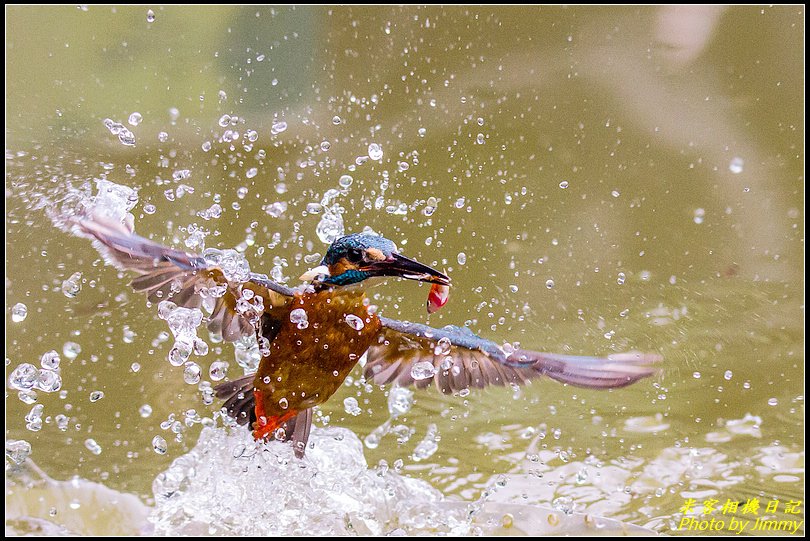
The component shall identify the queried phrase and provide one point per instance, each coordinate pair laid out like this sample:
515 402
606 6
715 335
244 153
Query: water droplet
345 181
728 375
200 347
159 445
92 446
23 377
563 504
564 184
27 397
620 279
276 209
18 450
422 370
224 121
181 174
180 352
400 401
615 193
443 346
696 375
421 132
278 127
50 360
71 350
480 139
299 317
150 16
354 322
135 119
283 403
145 411
48 381
429 445
218 370
549 283
736 165
336 120
325 145
351 406
699 215
330 228
125 136
95 396
461 258
73 285
19 312
163 136
192 373
460 202
773 402
129 335
375 152
33 421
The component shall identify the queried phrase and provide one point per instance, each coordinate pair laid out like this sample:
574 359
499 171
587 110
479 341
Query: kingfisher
312 336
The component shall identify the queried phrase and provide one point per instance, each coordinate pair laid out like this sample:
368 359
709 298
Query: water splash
330 228
234 265
126 137
183 323
230 485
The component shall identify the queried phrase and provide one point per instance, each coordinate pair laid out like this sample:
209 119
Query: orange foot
265 427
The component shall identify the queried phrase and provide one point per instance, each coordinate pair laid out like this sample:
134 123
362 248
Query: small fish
437 297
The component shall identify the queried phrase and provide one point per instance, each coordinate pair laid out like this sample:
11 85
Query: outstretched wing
188 280
455 359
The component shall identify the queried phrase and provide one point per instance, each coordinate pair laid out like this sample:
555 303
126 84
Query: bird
312 336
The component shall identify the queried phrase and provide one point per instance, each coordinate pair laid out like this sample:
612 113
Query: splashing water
230 485
114 200
330 228
125 136
234 265
183 323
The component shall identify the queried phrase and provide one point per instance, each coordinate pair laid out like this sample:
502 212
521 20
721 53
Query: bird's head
354 258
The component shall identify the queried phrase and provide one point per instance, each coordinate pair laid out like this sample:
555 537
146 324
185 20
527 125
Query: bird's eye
355 255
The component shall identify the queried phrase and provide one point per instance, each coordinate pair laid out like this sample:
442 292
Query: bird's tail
613 371
240 403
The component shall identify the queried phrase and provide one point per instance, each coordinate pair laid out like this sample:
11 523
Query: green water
606 180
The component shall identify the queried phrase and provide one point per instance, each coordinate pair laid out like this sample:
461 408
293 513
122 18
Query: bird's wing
188 280
455 359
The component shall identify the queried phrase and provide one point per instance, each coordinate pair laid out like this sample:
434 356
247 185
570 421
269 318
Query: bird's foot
265 427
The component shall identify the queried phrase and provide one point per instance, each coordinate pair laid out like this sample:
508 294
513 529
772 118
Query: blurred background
594 180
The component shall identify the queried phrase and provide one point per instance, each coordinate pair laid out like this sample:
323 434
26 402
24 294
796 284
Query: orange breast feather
323 337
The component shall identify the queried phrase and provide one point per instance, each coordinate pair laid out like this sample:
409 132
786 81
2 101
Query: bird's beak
398 265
